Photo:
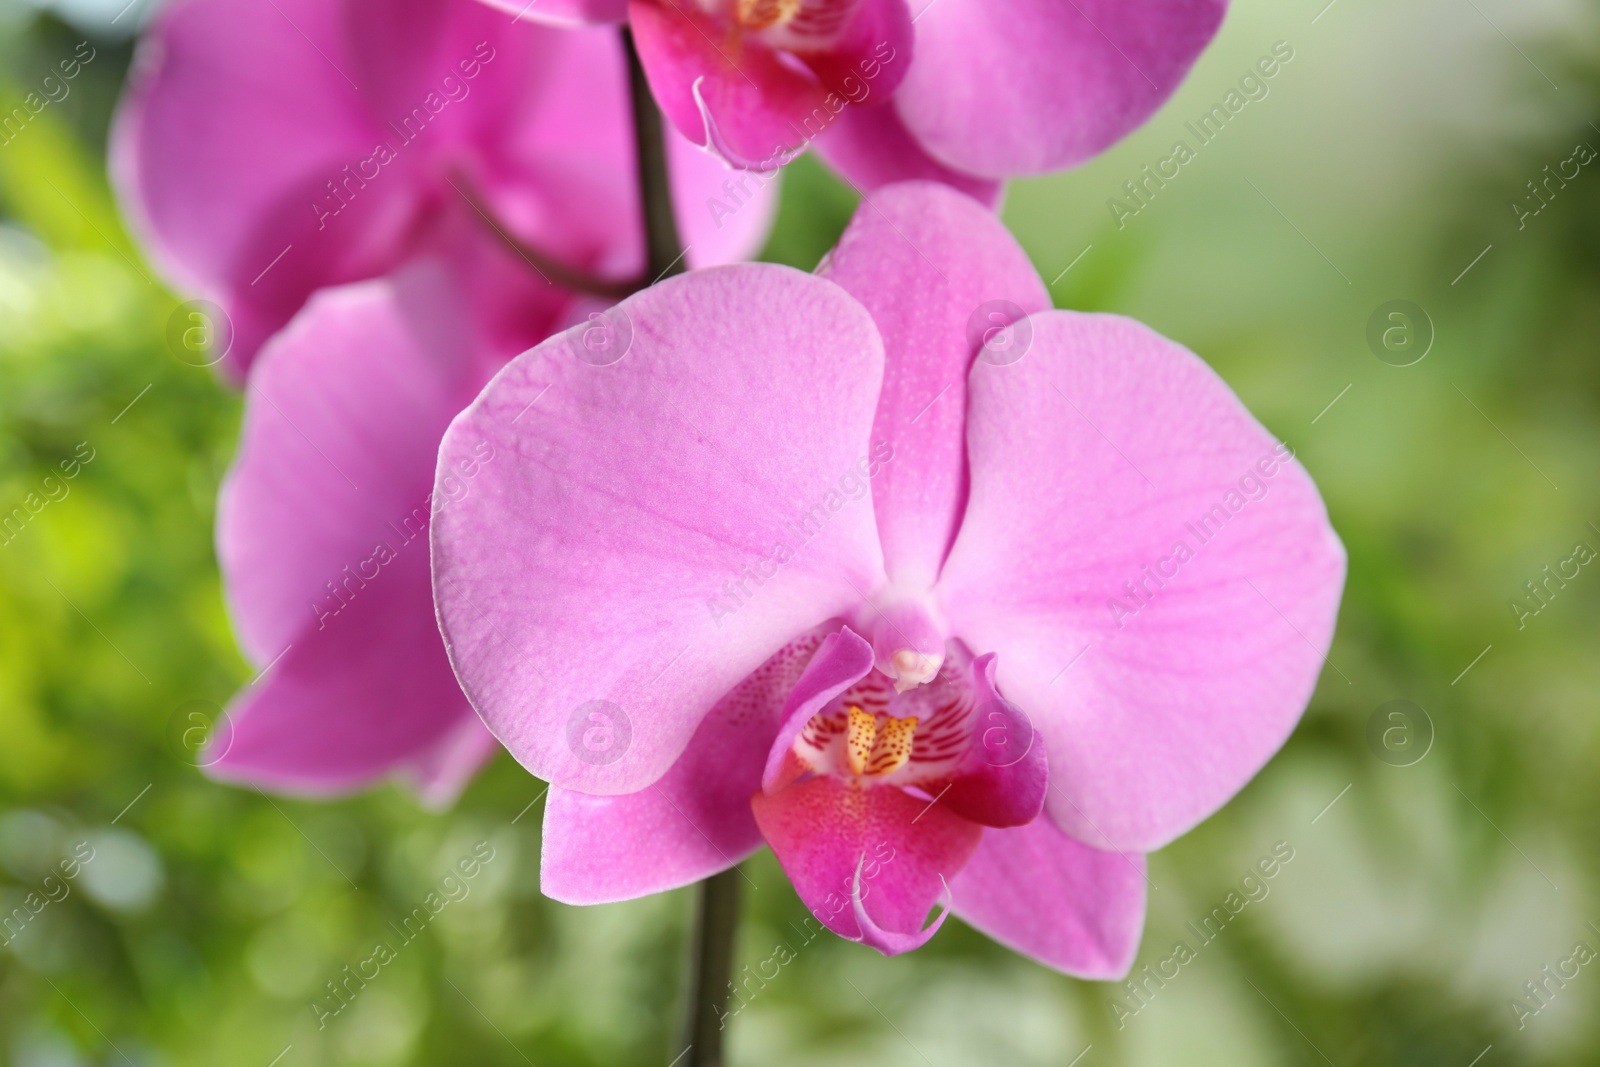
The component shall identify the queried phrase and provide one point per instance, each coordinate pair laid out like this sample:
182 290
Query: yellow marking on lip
892 748
760 14
860 734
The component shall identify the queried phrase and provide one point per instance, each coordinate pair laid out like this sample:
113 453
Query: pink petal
564 12
724 214
347 704
925 261
842 660
866 853
439 774
1006 87
336 453
321 527
726 91
611 558
1092 458
871 147
1039 892
857 48
241 112
692 823
1004 777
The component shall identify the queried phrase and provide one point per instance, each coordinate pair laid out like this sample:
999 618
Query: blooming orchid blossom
268 148
968 92
822 563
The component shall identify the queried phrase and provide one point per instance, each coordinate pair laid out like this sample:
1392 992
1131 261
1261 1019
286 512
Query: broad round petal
368 694
1161 584
1007 87
1037 891
663 523
322 540
927 261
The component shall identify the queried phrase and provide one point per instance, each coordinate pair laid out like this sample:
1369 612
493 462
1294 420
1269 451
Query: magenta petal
336 453
627 550
321 536
925 261
727 92
1004 777
242 115
724 214
439 774
692 823
866 59
1006 87
847 847
346 705
871 147
1069 906
1094 458
564 12
843 660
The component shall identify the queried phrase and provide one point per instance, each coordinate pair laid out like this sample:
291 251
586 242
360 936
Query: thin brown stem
711 968
664 254
544 264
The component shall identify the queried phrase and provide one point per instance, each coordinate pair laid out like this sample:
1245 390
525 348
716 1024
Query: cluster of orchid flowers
479 500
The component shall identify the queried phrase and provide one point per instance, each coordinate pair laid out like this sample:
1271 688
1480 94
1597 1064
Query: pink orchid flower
800 569
962 91
268 148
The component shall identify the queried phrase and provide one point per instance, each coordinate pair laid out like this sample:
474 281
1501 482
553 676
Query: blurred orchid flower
322 539
968 92
876 566
268 148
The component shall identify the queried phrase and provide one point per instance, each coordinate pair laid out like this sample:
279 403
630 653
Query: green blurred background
1420 899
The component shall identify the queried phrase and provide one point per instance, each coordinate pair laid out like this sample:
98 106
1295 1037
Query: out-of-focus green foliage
1419 900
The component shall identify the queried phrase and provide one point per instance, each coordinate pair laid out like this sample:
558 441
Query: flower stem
711 968
664 254
547 266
